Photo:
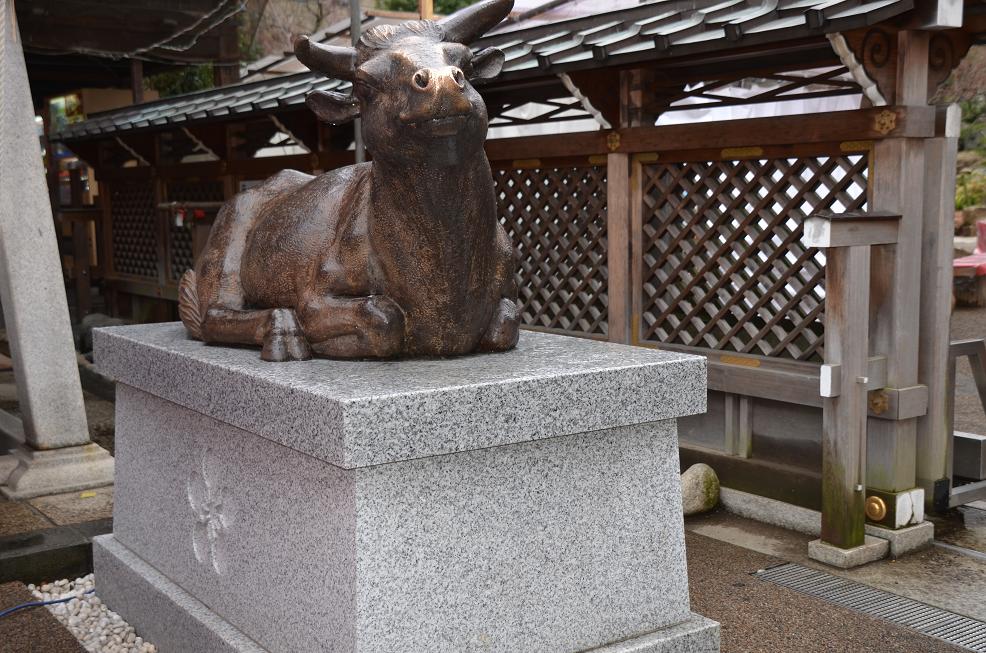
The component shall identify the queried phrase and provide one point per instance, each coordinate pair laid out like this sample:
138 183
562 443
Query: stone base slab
872 549
804 520
904 540
174 621
696 635
7 465
52 471
771 511
163 613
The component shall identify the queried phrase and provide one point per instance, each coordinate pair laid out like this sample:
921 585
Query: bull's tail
188 304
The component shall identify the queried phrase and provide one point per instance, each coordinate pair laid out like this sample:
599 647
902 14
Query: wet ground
936 576
757 616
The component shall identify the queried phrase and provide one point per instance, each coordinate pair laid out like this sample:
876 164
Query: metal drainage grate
953 628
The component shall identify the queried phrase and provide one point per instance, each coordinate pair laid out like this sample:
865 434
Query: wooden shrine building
763 182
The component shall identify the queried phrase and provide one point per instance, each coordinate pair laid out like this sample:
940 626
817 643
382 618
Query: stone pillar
54 452
523 501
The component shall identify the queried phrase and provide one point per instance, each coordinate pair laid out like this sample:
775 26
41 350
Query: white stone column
34 304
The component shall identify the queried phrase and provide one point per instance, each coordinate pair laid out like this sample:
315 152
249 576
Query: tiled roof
538 44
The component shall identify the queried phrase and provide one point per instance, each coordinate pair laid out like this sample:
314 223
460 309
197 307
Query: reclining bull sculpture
402 256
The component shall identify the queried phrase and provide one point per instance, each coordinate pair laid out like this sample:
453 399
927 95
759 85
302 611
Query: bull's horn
330 60
468 24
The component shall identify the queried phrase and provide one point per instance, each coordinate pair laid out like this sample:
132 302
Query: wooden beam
137 80
602 88
826 229
794 485
548 146
863 124
793 382
426 9
618 255
873 124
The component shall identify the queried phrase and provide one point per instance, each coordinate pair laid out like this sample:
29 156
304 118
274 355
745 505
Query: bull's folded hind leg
276 329
354 327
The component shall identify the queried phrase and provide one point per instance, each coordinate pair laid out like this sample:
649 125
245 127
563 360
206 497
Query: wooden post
847 239
226 71
934 430
137 80
618 246
80 250
896 184
426 9
738 426
636 247
847 272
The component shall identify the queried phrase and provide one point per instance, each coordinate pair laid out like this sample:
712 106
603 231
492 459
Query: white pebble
97 628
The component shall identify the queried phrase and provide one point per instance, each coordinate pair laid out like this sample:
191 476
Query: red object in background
198 214
977 261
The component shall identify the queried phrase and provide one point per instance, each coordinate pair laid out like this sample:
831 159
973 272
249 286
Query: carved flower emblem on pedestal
212 506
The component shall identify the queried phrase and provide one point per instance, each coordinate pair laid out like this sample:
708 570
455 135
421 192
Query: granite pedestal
515 502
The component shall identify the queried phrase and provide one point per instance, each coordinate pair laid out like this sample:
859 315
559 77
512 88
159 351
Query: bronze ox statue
402 256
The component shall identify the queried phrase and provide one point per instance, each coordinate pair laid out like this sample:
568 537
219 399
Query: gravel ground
757 616
98 629
31 630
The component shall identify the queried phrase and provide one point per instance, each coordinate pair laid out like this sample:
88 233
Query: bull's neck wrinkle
428 192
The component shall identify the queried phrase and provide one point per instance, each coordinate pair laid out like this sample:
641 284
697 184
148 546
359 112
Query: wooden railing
689 239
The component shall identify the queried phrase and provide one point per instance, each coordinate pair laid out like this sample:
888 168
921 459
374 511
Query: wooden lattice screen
181 255
723 265
556 217
134 228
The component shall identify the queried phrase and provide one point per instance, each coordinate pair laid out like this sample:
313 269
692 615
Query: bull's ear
468 24
334 108
486 64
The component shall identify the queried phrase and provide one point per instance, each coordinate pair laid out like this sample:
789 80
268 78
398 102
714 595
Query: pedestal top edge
538 356
362 413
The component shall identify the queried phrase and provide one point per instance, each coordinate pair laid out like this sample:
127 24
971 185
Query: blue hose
34 604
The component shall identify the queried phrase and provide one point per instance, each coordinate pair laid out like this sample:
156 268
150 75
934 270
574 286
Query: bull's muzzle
434 79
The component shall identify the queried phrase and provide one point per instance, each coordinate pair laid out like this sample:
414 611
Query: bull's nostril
458 77
421 79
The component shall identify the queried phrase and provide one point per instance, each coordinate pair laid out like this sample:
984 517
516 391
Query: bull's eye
421 78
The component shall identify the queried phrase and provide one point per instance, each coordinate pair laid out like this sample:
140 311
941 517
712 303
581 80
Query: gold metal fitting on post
876 509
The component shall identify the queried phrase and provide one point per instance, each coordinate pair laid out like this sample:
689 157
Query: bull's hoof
383 336
281 347
504 330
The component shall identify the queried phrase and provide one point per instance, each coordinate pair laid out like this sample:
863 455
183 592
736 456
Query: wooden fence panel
722 264
556 217
181 250
134 228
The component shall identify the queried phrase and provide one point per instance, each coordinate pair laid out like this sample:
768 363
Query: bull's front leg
354 327
504 327
275 329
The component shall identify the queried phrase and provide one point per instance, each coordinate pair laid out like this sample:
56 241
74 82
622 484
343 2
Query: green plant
181 80
443 7
970 189
973 134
